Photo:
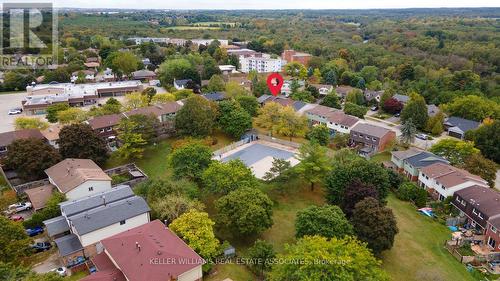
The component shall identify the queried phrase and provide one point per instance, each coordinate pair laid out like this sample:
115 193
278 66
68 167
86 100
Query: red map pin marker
274 83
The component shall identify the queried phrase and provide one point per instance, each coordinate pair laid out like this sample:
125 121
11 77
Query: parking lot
7 102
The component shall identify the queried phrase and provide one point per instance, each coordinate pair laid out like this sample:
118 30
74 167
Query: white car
62 271
19 207
15 111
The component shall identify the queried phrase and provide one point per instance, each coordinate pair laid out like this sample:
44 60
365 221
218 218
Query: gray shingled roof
424 159
68 244
401 98
70 208
56 225
463 124
263 98
215 96
109 214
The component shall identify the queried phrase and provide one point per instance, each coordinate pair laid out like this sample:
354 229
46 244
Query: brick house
409 162
372 138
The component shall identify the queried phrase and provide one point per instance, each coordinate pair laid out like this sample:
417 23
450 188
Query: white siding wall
192 275
338 127
83 189
396 161
100 234
431 183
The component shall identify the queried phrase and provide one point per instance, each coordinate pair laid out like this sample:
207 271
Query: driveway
47 265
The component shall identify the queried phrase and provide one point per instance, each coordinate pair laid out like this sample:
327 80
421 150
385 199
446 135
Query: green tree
408 131
71 115
225 177
356 96
453 150
162 98
233 119
235 90
320 134
183 94
216 84
269 116
369 73
483 108
30 157
176 69
125 63
435 124
320 258
374 224
478 165
296 70
409 191
304 96
279 171
145 124
326 221
132 141
260 88
248 103
13 240
291 124
416 110
196 118
172 206
80 141
487 138
263 253
53 109
196 229
245 211
332 100
190 160
21 123
314 163
135 100
355 110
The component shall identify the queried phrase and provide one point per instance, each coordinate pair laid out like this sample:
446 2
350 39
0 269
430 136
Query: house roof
56 225
424 159
401 98
68 244
463 124
52 132
39 196
157 109
106 270
450 176
105 121
297 105
485 199
495 222
143 73
9 137
92 64
432 110
370 94
215 96
333 115
107 213
371 130
133 250
263 98
280 100
70 173
343 90
182 82
403 154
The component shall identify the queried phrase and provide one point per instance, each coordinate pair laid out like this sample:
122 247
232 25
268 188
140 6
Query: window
493 229
3 148
122 222
491 242
479 215
110 129
457 199
463 202
91 188
101 130
474 211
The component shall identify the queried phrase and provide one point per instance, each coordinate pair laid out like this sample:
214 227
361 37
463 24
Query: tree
416 110
196 118
149 92
296 70
320 134
154 190
435 124
223 178
374 224
162 98
190 160
269 116
51 210
356 96
248 103
132 141
319 260
176 69
245 211
314 162
332 100
355 192
233 119
279 171
340 140
483 108
260 88
125 62
453 150
21 123
216 84
478 165
487 138
369 73
135 100
170 207
80 141
13 240
355 110
183 94
196 229
145 124
409 191
291 124
53 109
235 90
112 106
344 171
392 106
71 115
263 253
408 131
326 221
30 157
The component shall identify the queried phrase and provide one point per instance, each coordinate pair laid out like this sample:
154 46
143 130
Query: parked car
422 136
16 218
397 114
374 108
34 231
15 111
62 271
18 207
41 246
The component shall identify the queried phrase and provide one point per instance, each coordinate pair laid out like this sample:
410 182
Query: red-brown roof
151 252
157 109
334 115
105 121
450 176
71 173
107 271
39 196
9 137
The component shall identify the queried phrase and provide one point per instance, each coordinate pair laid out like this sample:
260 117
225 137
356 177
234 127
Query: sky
269 4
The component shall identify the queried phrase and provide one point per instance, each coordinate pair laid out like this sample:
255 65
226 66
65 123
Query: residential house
87 221
89 75
52 135
372 138
215 96
227 69
182 84
78 178
457 127
492 236
164 112
39 196
401 98
323 89
336 120
286 88
262 99
9 137
342 91
294 56
105 125
432 110
479 205
409 162
443 180
149 252
371 95
144 75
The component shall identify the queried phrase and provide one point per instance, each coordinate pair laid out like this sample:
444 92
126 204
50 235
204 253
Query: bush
411 192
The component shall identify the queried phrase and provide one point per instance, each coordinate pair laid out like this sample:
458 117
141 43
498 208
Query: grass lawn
76 276
418 252
381 157
234 271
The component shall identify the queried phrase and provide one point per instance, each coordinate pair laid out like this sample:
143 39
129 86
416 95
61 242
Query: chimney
138 246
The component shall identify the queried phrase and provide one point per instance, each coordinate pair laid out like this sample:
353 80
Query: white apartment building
262 63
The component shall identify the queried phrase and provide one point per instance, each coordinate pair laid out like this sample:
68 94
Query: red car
16 218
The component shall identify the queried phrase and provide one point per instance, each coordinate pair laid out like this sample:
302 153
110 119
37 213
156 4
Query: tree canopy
326 221
196 118
81 141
